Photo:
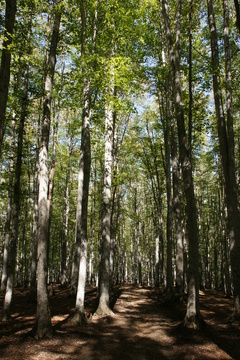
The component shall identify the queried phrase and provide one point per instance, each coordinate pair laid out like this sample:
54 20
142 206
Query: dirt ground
144 326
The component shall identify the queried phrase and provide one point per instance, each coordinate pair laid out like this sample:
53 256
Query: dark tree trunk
237 8
11 262
192 318
9 215
10 12
226 141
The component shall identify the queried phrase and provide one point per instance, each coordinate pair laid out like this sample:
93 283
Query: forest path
144 326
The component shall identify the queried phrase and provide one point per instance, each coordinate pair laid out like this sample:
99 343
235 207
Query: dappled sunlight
143 326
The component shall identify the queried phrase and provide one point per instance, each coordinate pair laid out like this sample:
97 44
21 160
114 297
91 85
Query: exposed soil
144 326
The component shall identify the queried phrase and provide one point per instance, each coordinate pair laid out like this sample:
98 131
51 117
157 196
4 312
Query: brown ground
143 327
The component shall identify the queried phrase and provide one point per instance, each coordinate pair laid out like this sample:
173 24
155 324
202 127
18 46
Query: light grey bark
34 234
104 281
177 216
65 243
80 256
43 326
10 12
51 186
84 175
83 189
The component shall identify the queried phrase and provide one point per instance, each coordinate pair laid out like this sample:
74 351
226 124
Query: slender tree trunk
237 8
9 213
51 187
169 202
192 318
80 257
226 141
16 208
93 224
10 12
104 281
83 187
34 235
84 178
64 247
177 216
43 316
157 255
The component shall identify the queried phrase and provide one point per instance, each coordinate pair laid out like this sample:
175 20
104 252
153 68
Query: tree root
79 318
194 322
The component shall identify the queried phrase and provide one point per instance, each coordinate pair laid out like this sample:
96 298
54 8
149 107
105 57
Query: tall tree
16 206
192 318
9 214
237 8
10 12
43 326
226 142
84 173
104 281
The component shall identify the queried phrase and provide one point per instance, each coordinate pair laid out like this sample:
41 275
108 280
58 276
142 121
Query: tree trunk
16 208
51 188
192 318
83 189
226 141
43 317
237 8
65 245
104 281
177 216
80 257
34 235
9 214
84 178
10 12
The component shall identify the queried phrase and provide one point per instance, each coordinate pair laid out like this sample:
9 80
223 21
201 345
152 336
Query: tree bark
237 8
80 256
104 281
10 12
34 235
43 316
9 214
192 318
177 216
16 207
226 142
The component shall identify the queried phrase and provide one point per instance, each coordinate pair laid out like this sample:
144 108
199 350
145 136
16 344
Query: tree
226 142
237 8
192 318
104 270
42 326
84 175
10 12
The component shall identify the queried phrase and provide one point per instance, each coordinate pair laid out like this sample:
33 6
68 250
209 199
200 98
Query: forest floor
143 326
